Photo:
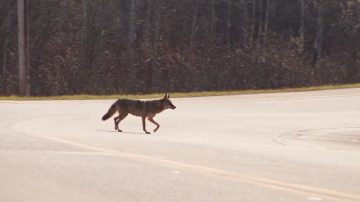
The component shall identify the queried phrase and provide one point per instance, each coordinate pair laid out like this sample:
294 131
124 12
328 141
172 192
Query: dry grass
178 95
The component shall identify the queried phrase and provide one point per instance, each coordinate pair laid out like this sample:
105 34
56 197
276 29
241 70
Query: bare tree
253 22
267 16
318 42
86 46
147 23
132 30
260 22
24 60
212 20
245 22
157 5
193 30
4 56
228 23
302 24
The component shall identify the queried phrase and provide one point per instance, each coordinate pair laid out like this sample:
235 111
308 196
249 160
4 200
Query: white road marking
176 172
313 198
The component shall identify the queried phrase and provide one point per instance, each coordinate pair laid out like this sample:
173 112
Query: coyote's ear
166 96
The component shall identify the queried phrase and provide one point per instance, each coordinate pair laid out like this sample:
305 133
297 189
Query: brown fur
144 109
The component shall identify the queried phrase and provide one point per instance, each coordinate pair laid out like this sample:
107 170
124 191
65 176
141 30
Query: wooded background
141 46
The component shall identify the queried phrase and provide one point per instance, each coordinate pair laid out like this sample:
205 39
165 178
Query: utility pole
23 46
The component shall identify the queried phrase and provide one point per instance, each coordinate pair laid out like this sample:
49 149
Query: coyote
145 109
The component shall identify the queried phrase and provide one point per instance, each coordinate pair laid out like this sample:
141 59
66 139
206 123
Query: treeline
106 47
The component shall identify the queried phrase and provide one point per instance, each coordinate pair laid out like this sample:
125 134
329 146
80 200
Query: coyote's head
166 103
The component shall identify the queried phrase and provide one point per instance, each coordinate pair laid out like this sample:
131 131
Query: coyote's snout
144 109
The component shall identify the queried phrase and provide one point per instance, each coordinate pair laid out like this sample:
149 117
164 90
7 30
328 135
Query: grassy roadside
179 95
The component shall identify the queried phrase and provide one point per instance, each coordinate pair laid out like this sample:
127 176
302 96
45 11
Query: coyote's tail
110 112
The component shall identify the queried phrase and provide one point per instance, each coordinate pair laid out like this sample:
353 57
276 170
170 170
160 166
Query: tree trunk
319 33
157 28
147 24
260 22
213 21
193 31
267 16
245 23
131 34
4 57
24 62
302 25
228 20
253 21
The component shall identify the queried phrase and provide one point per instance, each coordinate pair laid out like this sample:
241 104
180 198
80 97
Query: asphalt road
251 148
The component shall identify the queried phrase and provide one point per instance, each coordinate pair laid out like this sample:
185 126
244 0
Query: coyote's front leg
151 119
144 126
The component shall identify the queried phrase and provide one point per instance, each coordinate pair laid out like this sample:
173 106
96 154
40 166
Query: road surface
287 147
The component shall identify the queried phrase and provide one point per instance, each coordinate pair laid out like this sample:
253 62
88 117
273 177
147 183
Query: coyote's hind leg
118 119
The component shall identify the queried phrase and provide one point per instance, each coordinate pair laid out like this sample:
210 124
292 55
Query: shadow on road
124 132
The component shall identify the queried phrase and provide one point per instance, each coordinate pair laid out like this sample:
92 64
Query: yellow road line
290 187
